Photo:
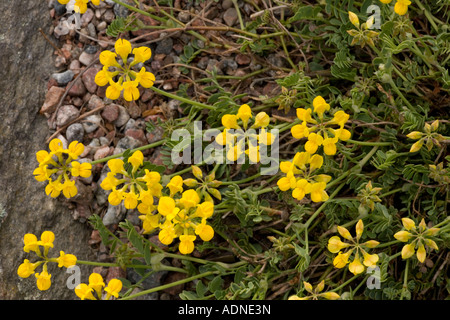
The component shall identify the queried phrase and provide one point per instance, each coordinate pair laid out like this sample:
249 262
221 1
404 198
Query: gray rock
120 11
75 132
152 281
123 117
63 78
164 46
86 17
90 49
91 123
66 114
227 4
26 57
61 29
86 58
60 9
230 17
114 214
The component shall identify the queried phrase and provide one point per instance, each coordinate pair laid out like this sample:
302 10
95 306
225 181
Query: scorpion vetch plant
356 107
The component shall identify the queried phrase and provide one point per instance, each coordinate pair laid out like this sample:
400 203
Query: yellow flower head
356 266
175 185
66 260
113 288
416 237
30 243
43 281
136 160
123 48
186 244
83 291
26 269
401 7
320 106
130 90
141 54
244 113
189 199
316 293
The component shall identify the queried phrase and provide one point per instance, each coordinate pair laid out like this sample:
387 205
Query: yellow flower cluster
184 218
417 237
245 141
130 184
316 293
301 177
335 245
96 284
320 132
128 79
58 165
429 138
401 6
80 5
206 186
27 268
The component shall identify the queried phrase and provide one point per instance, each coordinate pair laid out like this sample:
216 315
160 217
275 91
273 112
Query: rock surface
26 62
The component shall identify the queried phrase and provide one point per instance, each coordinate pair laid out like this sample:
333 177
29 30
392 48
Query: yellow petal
359 229
344 233
403 236
407 251
421 253
408 223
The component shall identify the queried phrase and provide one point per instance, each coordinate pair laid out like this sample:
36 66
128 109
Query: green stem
405 279
169 285
224 183
368 143
134 266
345 283
182 99
390 192
148 146
241 21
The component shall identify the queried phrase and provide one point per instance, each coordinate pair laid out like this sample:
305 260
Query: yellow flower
114 90
166 207
329 146
262 119
83 291
415 135
136 160
316 293
141 54
123 48
244 113
386 1
47 238
341 260
300 131
229 121
43 281
189 199
80 169
116 166
186 244
31 243
113 288
146 79
302 188
318 193
115 197
204 231
81 6
353 19
356 267
320 106
103 77
108 59
96 283
401 7
314 141
130 200
66 260
69 189
403 236
167 234
130 90
205 210
26 269
417 238
416 146
175 185
335 244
